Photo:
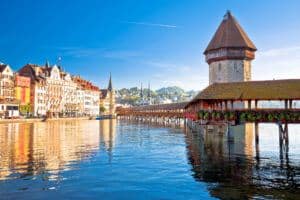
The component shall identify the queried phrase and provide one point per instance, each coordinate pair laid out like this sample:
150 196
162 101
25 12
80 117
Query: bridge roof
288 89
170 106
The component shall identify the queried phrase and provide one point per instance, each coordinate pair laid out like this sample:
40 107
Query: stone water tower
229 53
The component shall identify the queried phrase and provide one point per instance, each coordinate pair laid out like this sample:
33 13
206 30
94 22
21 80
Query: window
235 66
220 66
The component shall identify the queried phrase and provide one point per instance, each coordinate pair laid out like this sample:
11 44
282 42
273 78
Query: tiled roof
9 101
103 93
2 67
84 84
230 34
252 90
170 106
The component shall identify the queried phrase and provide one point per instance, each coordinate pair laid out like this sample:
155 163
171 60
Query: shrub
206 116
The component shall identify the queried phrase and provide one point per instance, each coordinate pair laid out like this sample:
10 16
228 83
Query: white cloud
277 63
278 52
150 24
183 75
79 52
170 66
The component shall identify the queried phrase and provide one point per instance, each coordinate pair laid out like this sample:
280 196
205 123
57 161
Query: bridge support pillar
256 130
283 134
256 133
230 135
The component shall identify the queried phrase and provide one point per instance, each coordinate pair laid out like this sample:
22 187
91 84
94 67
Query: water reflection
107 133
38 148
243 169
122 159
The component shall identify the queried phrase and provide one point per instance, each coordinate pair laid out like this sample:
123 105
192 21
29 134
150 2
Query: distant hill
132 96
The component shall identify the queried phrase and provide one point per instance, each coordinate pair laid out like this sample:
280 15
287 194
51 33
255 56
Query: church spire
149 92
47 64
141 92
110 88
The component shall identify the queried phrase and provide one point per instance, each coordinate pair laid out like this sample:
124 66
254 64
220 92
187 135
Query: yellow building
22 93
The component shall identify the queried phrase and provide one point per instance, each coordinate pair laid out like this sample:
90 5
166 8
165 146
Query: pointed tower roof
230 34
149 91
141 92
110 88
47 64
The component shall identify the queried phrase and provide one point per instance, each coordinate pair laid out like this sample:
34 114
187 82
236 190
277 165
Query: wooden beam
291 104
249 104
285 104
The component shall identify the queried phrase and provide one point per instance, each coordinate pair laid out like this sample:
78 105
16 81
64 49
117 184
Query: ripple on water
118 159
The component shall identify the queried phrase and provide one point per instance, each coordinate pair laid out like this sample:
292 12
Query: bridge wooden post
291 104
256 133
283 134
230 136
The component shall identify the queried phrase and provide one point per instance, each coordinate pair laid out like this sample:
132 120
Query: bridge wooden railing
177 110
173 110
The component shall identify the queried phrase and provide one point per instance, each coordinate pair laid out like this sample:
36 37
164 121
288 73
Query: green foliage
25 109
250 115
102 109
201 114
132 95
219 115
206 116
243 117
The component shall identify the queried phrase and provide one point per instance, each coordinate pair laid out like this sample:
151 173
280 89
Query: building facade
7 89
22 89
229 53
55 93
9 106
70 98
89 96
22 93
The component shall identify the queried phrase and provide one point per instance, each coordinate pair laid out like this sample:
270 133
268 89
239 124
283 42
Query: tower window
235 66
220 66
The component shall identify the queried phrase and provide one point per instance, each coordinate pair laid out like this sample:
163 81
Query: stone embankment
31 120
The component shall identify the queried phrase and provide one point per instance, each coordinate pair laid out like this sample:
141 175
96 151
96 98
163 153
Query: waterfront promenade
32 120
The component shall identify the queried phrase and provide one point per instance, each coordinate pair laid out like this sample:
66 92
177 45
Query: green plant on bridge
206 116
229 115
259 116
251 116
201 114
243 117
218 115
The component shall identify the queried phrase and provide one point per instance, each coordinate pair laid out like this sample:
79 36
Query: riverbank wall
8 121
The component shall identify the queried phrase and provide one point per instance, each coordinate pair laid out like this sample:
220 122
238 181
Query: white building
6 82
89 96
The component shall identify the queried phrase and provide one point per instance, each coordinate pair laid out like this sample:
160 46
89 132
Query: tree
102 109
25 109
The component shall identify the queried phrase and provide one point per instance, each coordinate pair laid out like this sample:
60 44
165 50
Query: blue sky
159 41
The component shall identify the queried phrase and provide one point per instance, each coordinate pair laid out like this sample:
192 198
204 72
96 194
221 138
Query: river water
113 159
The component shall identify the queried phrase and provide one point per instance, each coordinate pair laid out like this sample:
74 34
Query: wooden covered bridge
231 103
162 112
235 102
